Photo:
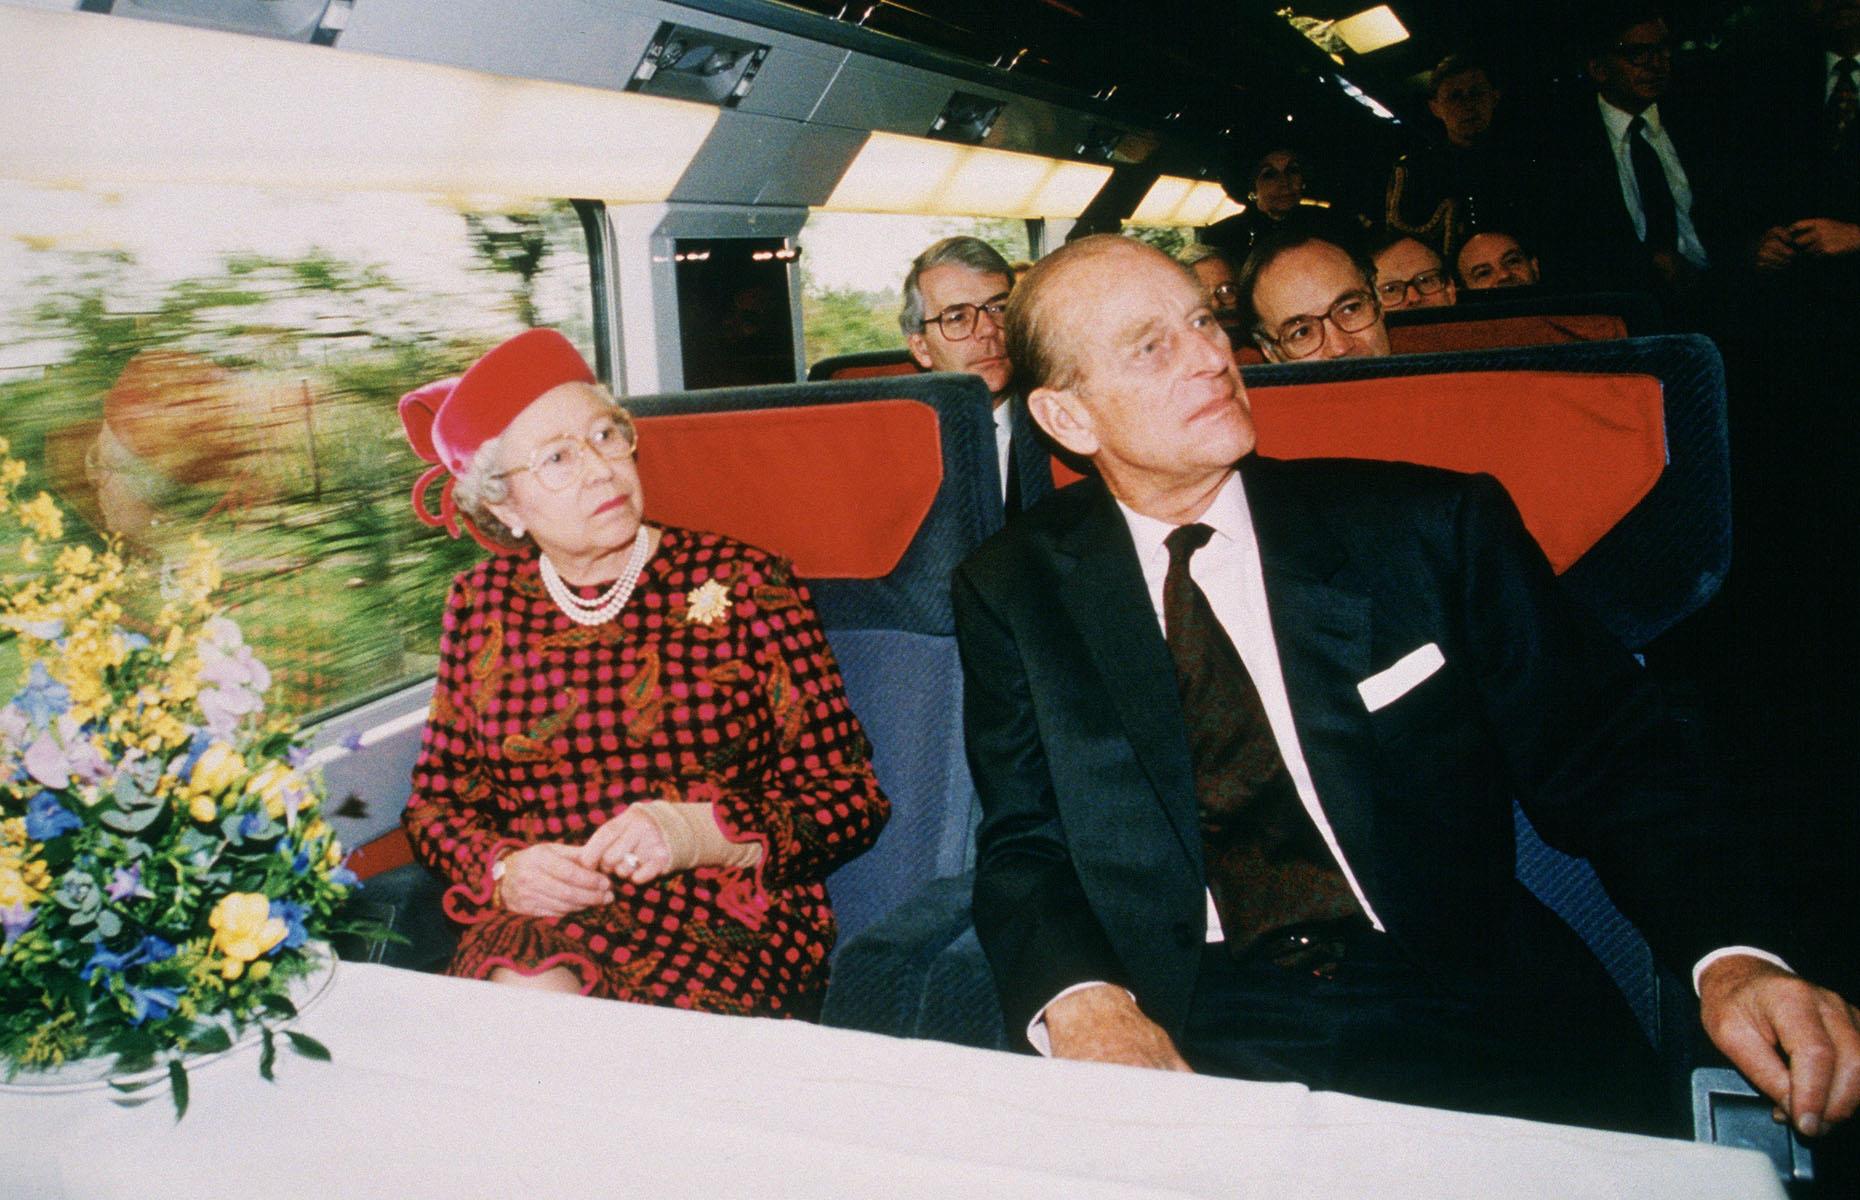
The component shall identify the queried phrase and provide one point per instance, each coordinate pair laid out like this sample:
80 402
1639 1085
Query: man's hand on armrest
1103 1024
1797 1043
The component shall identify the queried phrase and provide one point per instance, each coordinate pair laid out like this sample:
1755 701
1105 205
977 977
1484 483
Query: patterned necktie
1843 106
1656 198
1267 865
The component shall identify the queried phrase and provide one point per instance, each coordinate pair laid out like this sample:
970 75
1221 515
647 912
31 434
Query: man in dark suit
1631 183
954 296
1246 740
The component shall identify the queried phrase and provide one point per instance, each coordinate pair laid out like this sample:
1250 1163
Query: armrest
878 980
1727 1111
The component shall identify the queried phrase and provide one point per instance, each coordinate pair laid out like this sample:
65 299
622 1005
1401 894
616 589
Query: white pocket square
1385 687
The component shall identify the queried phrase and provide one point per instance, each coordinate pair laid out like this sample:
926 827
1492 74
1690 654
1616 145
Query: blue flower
297 756
101 959
292 914
196 746
43 698
155 1002
155 949
301 862
343 877
351 741
135 641
47 819
254 824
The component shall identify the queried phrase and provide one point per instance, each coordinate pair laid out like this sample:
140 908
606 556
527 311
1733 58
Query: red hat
448 420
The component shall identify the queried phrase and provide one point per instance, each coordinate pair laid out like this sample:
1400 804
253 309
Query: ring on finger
629 862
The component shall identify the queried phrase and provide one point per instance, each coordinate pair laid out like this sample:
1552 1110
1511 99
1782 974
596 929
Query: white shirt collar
1617 120
1228 515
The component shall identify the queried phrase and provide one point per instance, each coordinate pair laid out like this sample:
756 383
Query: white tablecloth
454 1089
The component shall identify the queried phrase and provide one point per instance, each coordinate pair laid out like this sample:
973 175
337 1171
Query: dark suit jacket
1586 234
1089 857
1029 453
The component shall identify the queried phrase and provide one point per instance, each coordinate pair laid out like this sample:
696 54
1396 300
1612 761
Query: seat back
1496 318
1630 499
866 364
1616 455
875 489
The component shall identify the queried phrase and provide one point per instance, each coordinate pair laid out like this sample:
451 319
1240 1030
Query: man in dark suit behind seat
1409 666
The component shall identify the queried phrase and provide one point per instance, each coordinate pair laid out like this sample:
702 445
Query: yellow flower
12 471
201 809
707 604
6 447
244 929
271 784
40 514
333 856
218 769
29 551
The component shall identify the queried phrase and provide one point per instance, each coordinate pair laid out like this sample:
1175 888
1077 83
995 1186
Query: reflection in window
184 360
853 265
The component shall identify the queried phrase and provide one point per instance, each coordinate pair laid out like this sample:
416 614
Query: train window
181 360
853 265
734 319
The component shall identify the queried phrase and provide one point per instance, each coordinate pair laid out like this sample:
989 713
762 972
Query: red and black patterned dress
542 729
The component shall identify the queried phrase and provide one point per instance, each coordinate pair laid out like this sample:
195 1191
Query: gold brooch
707 604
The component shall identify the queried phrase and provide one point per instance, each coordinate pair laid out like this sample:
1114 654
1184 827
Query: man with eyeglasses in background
1630 195
1311 298
1410 275
954 298
1216 275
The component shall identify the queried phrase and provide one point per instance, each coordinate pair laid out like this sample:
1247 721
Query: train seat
1616 454
874 489
866 364
1534 320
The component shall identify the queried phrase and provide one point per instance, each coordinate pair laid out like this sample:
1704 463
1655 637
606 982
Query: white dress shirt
1617 121
1004 440
1228 572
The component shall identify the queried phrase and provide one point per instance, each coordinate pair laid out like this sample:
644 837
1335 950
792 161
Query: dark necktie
1843 106
1013 480
1267 865
1656 198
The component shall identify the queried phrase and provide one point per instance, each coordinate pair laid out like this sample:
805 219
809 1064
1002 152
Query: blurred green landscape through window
227 362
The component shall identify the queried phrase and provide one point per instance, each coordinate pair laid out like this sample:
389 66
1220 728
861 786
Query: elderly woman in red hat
639 764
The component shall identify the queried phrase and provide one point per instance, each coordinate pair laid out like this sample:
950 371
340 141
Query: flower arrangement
164 870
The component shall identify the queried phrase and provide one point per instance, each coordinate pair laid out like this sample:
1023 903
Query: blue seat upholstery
1658 565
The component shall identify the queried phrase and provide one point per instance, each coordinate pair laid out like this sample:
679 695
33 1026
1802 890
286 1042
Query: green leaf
307 1046
267 1057
177 1087
211 1040
129 1089
278 1006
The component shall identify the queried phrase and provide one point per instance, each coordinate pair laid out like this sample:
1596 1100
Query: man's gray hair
961 251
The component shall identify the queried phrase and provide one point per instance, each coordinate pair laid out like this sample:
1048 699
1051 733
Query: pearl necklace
602 608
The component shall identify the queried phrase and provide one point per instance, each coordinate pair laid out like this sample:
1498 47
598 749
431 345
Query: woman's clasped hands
553 879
